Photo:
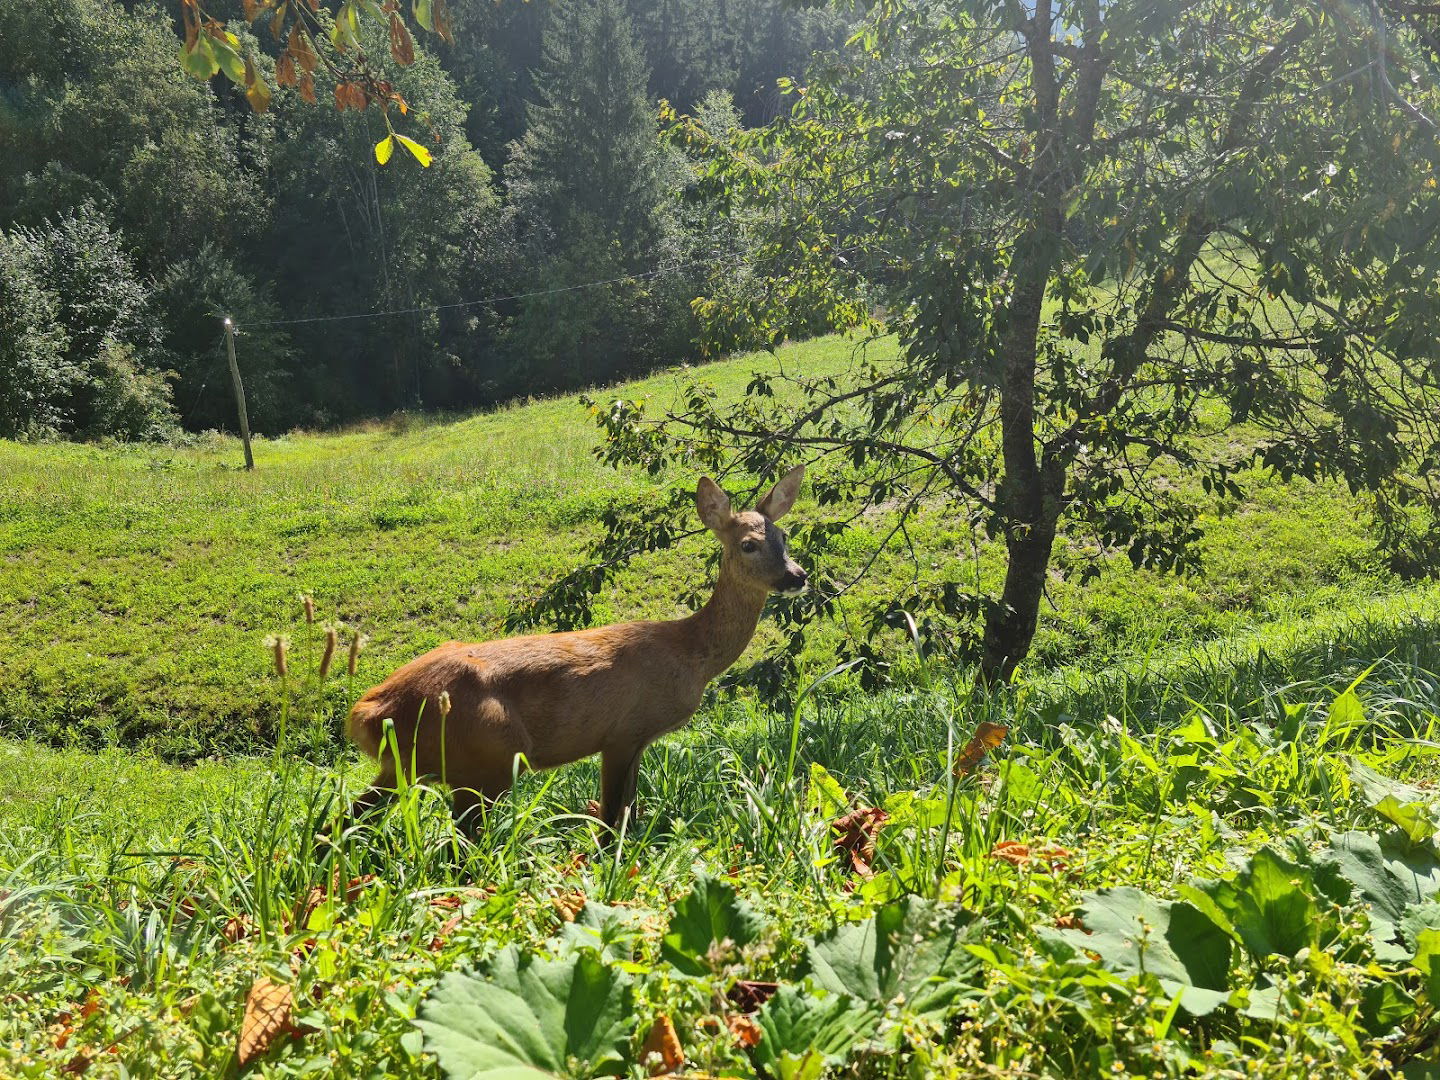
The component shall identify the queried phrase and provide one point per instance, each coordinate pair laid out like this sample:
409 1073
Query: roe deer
557 698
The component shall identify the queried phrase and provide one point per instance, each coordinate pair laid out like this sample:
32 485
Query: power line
658 272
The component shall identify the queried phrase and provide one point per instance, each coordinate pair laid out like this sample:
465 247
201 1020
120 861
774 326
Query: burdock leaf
531 1017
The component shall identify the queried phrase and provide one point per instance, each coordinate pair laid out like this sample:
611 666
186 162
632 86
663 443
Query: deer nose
793 583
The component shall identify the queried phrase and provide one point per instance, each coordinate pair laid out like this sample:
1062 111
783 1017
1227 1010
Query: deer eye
749 546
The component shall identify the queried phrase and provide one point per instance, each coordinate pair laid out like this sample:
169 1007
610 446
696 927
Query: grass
159 894
1160 870
139 584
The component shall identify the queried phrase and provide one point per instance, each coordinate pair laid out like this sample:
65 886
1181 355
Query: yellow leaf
384 148
422 155
256 91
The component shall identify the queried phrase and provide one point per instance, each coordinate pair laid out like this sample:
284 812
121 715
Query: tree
1118 242
81 350
406 241
591 187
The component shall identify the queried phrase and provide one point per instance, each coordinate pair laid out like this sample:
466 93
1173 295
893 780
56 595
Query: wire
675 269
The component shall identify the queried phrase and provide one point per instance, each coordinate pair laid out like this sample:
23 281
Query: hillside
140 583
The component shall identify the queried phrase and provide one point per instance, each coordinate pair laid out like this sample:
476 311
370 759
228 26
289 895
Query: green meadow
1203 845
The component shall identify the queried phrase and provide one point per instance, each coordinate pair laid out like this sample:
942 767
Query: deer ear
782 496
712 503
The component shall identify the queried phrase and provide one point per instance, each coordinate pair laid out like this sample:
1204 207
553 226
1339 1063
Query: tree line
139 204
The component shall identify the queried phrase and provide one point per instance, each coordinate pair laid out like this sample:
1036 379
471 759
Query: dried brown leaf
745 1030
855 834
268 1008
568 904
747 995
987 737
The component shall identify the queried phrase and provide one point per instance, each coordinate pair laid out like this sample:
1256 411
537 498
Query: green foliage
531 1017
417 531
156 896
1096 283
80 338
592 191
909 951
802 1035
1175 942
708 925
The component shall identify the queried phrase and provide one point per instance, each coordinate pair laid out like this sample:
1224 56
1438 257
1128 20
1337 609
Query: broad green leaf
531 1017
1180 945
706 917
199 61
384 148
1346 711
1401 804
1427 961
422 155
424 15
910 948
797 1028
229 61
1383 1005
612 931
1268 905
1420 917
1391 882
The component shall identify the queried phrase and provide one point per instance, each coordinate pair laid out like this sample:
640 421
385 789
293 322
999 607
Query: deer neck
724 626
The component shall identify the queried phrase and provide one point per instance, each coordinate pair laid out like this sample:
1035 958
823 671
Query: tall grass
168 893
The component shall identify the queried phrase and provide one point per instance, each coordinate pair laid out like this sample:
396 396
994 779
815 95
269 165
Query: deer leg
469 799
619 775
380 791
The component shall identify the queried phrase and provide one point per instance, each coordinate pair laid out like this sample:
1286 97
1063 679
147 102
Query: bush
80 351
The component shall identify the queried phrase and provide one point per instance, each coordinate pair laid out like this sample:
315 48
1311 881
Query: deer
540 701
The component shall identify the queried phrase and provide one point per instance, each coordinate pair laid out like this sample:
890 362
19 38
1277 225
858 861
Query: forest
139 205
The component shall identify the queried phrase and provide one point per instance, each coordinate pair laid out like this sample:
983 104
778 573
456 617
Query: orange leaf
402 46
91 1006
442 937
237 928
285 70
78 1064
745 1030
268 1008
662 1048
299 47
987 737
356 886
1018 854
307 87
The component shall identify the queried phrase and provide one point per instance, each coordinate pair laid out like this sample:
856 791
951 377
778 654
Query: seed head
444 704
356 644
278 644
332 641
309 602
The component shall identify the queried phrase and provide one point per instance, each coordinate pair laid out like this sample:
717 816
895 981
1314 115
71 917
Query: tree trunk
1010 624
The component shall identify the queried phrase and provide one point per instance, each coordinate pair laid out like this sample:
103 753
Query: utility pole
239 392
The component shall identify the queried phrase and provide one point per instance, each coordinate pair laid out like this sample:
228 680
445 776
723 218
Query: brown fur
557 698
